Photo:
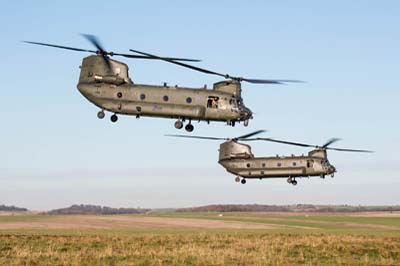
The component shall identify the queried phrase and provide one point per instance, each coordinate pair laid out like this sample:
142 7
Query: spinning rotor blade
250 134
62 47
100 50
206 71
349 150
244 137
329 142
181 64
324 147
195 137
284 142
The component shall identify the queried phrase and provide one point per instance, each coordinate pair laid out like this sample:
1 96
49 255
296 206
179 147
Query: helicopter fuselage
115 92
237 159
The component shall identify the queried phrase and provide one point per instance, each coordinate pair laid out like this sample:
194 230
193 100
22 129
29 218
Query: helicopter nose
246 113
332 169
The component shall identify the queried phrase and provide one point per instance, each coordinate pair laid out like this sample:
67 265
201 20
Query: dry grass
230 248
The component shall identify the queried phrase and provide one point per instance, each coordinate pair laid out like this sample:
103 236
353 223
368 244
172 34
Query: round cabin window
189 100
142 96
279 164
294 163
119 94
248 165
165 98
263 164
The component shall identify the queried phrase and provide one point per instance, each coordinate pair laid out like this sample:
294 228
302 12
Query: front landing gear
101 114
237 179
114 118
292 181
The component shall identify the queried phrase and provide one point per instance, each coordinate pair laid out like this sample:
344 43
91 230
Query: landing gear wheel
114 118
101 114
290 180
189 127
246 123
178 124
243 181
294 182
237 179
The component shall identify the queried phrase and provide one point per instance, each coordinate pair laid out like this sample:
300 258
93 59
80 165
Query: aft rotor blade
60 46
152 58
108 53
349 150
283 142
196 137
181 64
93 40
329 142
251 134
206 71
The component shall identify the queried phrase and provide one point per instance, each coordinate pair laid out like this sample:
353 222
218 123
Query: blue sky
55 152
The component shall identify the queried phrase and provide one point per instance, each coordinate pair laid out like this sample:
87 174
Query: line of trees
5 208
287 208
95 209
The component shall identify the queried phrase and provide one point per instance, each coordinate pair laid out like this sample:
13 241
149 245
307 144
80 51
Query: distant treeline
5 208
94 209
287 208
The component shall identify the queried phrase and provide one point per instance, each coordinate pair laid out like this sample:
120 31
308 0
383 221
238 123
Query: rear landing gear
114 118
101 114
189 127
178 124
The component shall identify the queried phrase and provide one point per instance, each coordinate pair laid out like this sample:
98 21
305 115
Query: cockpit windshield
234 105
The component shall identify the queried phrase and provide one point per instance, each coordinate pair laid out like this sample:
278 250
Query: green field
201 239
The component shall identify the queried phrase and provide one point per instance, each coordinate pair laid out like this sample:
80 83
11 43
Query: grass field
201 239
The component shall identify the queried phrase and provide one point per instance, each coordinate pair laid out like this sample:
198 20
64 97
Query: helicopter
106 83
238 159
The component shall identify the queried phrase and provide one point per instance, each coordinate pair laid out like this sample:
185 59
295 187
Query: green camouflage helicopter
238 159
105 83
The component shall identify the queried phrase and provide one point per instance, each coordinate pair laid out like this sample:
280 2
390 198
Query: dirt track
127 222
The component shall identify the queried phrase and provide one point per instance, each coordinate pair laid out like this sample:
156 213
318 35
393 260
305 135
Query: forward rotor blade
329 142
349 150
60 46
195 137
251 134
181 64
270 81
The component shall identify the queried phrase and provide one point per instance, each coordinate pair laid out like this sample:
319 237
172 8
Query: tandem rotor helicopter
105 83
238 159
